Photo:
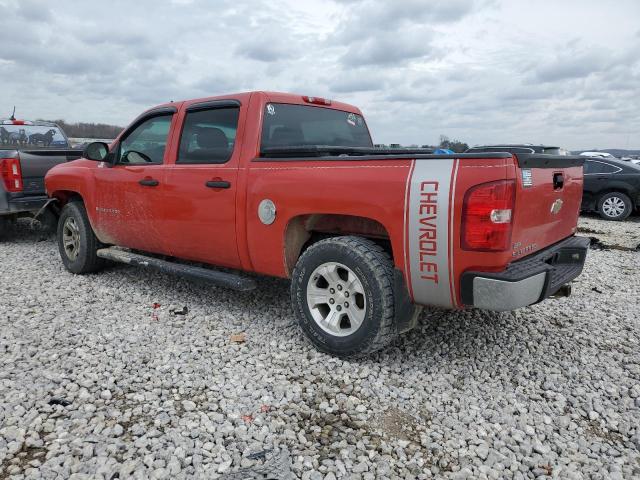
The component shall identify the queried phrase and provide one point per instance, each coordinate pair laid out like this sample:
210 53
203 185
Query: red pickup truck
291 186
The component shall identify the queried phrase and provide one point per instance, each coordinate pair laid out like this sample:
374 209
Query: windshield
288 125
32 136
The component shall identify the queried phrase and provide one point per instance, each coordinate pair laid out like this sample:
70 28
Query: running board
223 279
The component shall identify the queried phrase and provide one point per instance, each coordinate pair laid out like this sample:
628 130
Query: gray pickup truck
28 150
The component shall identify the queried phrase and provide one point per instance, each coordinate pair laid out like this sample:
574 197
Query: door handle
217 184
149 182
558 181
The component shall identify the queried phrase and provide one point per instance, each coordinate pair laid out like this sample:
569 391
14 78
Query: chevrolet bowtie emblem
556 206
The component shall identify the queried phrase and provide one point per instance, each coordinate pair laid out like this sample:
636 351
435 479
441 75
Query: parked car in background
597 155
611 187
291 186
28 150
520 148
632 159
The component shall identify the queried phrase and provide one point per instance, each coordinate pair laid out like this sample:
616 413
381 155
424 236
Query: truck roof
275 97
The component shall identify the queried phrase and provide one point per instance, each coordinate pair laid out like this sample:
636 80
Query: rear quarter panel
370 189
389 192
472 172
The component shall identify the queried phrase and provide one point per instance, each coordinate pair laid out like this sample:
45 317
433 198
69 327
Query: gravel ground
618 235
97 383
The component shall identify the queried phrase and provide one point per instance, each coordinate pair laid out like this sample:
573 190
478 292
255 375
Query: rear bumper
9 206
526 281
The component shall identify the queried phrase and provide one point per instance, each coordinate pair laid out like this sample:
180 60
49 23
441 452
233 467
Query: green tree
455 145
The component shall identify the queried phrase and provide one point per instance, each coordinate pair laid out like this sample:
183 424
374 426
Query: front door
129 194
201 186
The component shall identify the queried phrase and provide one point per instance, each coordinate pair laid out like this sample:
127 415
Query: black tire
373 267
86 260
606 204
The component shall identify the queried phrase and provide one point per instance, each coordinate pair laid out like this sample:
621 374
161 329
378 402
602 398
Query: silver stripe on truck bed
428 232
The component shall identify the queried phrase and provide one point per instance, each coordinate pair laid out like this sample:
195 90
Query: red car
291 186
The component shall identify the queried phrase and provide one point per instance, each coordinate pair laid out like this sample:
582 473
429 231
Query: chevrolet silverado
291 186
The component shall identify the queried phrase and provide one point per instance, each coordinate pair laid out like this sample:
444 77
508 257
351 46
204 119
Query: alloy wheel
613 207
336 299
71 238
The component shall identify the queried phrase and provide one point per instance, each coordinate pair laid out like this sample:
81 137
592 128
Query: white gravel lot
94 385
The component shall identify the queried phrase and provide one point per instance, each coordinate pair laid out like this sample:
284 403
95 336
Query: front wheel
614 206
76 241
342 293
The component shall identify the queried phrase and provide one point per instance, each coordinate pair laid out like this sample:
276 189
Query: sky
561 72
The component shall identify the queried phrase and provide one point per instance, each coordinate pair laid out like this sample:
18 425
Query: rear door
597 176
129 195
202 184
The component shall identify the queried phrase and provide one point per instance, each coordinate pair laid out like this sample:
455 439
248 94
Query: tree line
88 130
455 145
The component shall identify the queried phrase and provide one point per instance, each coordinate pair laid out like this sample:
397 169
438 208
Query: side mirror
96 151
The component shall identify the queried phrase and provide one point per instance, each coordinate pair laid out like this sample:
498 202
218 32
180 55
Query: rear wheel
76 241
614 206
342 293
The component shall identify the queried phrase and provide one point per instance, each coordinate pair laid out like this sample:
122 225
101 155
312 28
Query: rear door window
592 167
286 125
208 136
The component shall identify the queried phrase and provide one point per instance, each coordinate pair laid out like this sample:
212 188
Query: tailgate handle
558 181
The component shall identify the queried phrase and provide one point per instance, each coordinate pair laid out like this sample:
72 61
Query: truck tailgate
547 204
36 163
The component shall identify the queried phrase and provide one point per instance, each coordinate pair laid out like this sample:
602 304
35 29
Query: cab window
287 125
208 136
146 143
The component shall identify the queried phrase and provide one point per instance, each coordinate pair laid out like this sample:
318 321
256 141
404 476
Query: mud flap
406 312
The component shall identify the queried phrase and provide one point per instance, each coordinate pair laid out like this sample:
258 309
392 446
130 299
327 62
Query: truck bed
34 165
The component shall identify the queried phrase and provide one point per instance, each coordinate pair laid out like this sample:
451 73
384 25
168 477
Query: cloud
388 48
351 82
472 69
266 50
371 17
573 65
34 11
384 33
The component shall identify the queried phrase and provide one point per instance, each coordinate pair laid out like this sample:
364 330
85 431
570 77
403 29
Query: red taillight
317 100
487 215
11 174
